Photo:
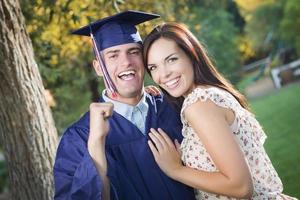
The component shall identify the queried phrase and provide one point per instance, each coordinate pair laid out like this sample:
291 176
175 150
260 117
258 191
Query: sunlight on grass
279 114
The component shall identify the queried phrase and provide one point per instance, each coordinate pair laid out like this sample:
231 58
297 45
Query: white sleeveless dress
250 137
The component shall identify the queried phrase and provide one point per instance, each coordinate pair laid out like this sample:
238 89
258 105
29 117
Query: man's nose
125 60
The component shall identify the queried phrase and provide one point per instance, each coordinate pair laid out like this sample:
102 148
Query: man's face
125 66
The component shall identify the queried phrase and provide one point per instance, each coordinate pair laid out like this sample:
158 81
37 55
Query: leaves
290 24
216 30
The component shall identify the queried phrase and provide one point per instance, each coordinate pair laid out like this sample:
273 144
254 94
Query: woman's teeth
172 83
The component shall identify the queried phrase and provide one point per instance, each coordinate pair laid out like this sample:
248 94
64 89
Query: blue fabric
132 170
116 29
122 34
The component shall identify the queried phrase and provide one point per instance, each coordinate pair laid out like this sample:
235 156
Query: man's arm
75 174
97 152
99 127
80 168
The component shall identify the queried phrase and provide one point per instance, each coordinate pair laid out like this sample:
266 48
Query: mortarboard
114 30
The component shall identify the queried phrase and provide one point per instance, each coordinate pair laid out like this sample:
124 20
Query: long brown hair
205 72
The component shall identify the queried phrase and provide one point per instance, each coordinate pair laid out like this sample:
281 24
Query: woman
222 147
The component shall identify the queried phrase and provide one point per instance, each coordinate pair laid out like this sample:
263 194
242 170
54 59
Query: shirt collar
126 110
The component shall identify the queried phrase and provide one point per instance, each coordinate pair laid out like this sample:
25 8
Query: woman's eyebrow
166 58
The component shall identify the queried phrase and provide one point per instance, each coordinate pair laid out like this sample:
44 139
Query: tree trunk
27 130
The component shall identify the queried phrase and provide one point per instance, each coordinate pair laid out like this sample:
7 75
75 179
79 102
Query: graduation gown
132 170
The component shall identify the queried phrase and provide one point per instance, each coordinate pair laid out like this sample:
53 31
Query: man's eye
113 56
134 52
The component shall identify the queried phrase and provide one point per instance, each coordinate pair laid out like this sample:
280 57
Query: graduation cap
112 31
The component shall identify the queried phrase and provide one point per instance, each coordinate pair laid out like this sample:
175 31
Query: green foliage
216 30
279 115
64 60
3 176
275 25
72 98
290 24
226 5
263 26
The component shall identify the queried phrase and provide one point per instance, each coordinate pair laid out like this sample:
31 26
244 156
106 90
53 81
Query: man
105 154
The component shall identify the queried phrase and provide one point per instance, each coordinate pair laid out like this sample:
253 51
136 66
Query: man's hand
99 127
99 114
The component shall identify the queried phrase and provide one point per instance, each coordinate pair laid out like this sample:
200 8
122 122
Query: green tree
273 29
290 24
262 28
218 30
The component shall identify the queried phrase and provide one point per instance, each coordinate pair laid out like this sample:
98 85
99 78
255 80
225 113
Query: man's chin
131 94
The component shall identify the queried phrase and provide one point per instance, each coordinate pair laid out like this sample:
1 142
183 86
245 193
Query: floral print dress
250 137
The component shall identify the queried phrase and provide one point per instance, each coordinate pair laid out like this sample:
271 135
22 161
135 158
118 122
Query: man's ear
97 67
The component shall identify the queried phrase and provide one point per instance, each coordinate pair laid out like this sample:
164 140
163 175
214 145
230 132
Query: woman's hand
165 153
152 90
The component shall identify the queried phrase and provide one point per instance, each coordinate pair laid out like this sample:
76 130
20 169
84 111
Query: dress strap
218 96
224 99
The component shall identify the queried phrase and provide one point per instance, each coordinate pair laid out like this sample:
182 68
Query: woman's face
170 67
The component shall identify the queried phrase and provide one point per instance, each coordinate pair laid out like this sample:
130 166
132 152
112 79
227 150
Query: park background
246 39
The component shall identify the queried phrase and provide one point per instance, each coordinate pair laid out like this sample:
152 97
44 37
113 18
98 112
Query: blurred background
254 43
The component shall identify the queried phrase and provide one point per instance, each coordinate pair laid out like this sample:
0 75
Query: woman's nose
165 72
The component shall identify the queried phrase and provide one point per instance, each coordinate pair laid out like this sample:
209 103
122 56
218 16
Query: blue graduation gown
132 170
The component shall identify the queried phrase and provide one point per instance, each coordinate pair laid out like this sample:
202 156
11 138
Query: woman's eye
151 67
172 59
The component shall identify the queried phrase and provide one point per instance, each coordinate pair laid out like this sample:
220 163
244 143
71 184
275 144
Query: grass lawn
279 114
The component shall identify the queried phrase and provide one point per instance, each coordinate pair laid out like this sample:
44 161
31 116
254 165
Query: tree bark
27 130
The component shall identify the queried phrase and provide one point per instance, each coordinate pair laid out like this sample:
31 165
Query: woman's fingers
153 149
164 151
162 141
177 145
157 139
152 90
165 137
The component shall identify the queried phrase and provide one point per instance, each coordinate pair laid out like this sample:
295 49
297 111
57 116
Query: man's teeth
172 82
127 75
